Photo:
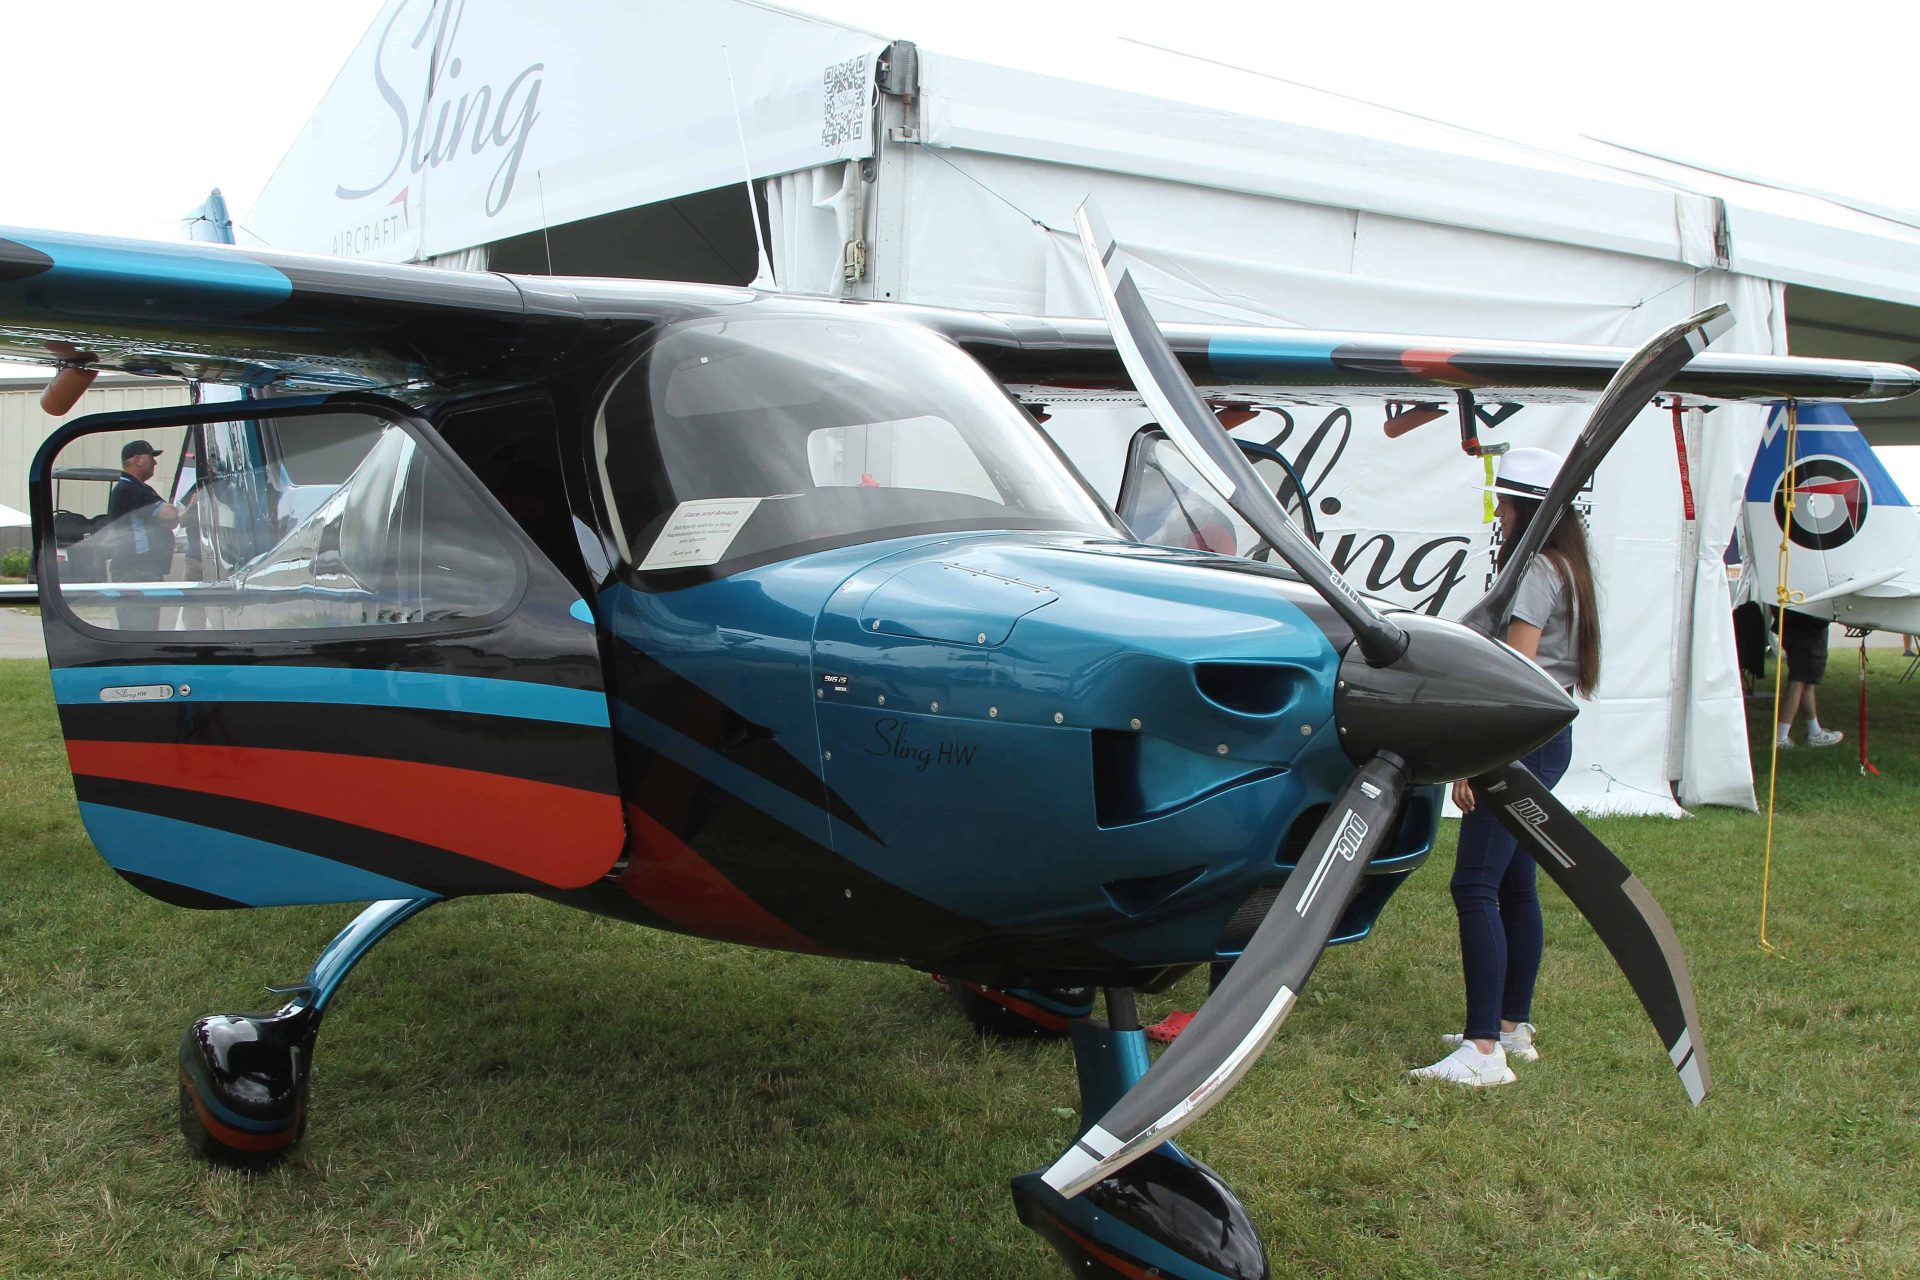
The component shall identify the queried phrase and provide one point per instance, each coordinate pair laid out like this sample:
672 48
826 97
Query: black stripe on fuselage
651 688
548 751
831 899
422 865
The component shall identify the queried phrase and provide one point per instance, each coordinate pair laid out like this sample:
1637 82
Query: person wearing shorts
1803 642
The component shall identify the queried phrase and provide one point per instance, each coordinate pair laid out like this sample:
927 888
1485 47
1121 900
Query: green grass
509 1089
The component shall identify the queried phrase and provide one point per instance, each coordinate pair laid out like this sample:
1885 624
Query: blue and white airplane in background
1854 553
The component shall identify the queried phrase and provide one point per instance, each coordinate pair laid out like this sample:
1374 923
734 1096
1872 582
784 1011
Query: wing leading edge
220 314
1064 360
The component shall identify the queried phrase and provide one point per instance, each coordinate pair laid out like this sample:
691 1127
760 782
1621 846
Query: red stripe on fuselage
560 836
1437 364
665 875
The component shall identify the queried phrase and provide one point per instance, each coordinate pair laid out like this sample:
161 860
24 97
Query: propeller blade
1638 380
1615 903
1190 424
1238 1020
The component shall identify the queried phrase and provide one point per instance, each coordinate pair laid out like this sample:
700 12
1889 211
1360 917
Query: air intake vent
1250 688
1143 893
1239 930
1254 909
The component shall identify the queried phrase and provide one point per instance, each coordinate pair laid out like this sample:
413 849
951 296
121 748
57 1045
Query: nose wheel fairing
1166 1214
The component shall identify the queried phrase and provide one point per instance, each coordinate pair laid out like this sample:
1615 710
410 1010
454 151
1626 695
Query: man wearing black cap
143 524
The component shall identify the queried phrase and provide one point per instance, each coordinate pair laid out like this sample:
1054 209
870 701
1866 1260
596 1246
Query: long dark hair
1566 550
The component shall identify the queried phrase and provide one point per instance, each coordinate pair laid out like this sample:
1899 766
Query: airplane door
302 655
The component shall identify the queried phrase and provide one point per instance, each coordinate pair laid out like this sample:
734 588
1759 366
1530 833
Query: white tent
618 142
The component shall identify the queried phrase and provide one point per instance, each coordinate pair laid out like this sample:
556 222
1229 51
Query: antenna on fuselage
746 164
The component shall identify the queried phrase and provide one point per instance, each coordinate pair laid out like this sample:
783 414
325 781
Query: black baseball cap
134 448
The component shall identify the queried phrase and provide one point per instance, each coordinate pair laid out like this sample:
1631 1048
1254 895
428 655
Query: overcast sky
123 114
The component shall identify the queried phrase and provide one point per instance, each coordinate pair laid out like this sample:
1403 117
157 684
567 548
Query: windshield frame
973 401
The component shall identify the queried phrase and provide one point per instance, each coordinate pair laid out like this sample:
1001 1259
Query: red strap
1865 765
1680 453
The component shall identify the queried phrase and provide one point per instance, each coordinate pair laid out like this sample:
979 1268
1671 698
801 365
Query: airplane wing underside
1064 360
217 313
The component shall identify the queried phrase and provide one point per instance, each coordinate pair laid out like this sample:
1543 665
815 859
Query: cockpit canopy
736 441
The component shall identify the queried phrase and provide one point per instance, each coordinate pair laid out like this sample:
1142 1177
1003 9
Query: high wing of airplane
779 621
1853 553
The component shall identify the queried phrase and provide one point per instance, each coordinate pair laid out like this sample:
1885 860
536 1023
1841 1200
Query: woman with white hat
1554 622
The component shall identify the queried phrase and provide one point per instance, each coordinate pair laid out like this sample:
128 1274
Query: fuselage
888 681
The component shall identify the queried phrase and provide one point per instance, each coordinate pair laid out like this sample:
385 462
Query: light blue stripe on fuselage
238 867
351 686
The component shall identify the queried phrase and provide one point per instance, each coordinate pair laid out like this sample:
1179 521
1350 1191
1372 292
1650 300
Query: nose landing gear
1165 1214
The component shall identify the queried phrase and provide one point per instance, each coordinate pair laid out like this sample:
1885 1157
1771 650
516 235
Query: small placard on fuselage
699 532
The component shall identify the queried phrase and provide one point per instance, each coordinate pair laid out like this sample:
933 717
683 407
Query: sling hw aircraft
780 621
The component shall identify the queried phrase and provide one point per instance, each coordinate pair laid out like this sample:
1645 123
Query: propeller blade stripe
1346 842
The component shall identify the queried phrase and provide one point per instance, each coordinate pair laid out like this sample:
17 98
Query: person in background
1555 622
1803 641
143 522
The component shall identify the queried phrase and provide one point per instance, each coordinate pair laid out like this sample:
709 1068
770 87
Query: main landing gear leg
1165 1214
243 1076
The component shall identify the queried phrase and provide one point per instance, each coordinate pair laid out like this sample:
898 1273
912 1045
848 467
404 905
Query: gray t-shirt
1544 601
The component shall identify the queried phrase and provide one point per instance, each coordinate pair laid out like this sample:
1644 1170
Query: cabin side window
293 523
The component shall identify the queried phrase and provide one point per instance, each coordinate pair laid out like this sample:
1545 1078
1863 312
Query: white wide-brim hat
1525 473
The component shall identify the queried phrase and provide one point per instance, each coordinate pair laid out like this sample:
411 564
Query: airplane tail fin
1854 534
1825 432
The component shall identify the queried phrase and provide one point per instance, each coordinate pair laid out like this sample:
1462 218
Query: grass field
508 1089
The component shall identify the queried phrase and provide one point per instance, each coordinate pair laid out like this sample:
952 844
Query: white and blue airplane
1853 554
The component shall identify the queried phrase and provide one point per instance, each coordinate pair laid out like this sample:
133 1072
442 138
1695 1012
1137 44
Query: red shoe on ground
1170 1026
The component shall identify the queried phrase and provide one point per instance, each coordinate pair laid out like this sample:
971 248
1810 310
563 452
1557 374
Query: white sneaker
1518 1042
1467 1065
1824 738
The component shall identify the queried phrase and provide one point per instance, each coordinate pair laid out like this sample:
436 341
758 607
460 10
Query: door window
301 522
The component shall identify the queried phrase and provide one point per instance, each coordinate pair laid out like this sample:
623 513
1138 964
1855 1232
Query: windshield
735 442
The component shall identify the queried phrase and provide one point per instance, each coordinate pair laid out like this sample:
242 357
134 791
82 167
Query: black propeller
1615 903
1184 415
1231 1030
1420 700
1638 381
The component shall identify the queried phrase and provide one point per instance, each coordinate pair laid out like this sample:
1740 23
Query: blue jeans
1499 908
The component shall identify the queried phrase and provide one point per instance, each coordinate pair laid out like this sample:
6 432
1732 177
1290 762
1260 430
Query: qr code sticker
843 115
